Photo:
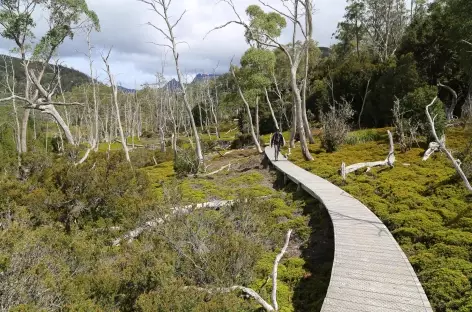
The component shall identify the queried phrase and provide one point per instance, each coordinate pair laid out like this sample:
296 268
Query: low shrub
363 136
185 162
141 158
335 126
242 140
415 103
148 134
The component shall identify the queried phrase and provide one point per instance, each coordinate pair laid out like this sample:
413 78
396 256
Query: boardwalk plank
370 271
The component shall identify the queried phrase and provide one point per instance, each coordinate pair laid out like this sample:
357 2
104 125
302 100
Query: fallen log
135 233
369 165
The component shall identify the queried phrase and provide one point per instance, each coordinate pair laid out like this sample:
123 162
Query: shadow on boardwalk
318 252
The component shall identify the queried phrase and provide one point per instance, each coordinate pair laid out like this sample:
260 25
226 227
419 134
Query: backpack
278 139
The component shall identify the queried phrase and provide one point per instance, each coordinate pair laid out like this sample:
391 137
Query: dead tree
309 33
117 106
405 128
369 165
60 26
273 306
452 107
271 109
94 91
443 148
294 56
161 8
248 111
364 99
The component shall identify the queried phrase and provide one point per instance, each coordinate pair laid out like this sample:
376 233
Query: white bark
294 57
271 109
442 146
248 110
169 35
309 34
135 233
117 106
221 290
387 162
433 148
452 107
275 268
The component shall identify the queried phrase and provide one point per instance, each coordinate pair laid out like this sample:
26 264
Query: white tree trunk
452 107
271 109
442 145
117 109
51 110
298 103
248 110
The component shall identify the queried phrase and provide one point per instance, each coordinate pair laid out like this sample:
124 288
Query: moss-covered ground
423 203
305 270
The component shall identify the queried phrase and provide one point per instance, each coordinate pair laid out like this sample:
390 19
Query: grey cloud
123 24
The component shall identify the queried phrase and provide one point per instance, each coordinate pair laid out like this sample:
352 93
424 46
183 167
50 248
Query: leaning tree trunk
293 131
452 107
276 123
258 133
24 130
304 110
249 116
298 103
117 107
51 110
188 108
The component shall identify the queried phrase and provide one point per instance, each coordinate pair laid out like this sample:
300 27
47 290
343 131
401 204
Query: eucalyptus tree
161 8
264 29
18 22
253 78
384 22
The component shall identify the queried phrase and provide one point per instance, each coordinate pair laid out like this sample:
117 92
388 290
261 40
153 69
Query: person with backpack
277 141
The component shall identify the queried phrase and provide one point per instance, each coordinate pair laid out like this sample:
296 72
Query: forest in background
84 163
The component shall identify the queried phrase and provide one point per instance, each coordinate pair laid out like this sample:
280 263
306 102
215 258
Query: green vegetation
63 205
58 225
424 204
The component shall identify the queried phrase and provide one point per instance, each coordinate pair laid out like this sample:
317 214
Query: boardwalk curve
370 271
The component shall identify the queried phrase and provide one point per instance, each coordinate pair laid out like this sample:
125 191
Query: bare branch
442 146
275 268
246 290
160 44
178 21
223 26
452 107
160 30
291 18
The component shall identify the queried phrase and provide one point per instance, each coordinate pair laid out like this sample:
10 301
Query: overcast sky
135 61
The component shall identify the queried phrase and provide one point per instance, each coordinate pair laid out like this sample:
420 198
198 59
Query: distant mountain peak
173 85
204 77
125 90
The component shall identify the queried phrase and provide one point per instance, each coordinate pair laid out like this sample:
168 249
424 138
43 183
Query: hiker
277 141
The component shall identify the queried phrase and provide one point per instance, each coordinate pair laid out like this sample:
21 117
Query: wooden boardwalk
370 271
